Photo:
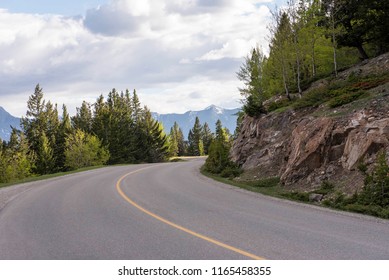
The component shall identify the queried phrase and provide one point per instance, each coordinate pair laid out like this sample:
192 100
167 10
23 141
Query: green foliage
218 161
84 150
195 139
373 199
299 196
152 141
250 73
45 161
325 188
345 98
312 99
360 22
267 182
273 106
83 118
308 40
15 161
207 137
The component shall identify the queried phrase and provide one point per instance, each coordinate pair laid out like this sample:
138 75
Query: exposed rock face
304 148
308 150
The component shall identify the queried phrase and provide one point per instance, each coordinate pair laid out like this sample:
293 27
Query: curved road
170 211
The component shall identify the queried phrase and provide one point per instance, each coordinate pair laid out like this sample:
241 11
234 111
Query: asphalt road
170 211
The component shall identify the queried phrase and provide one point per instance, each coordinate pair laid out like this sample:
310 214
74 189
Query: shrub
345 98
312 99
267 182
231 171
299 196
278 104
218 161
325 188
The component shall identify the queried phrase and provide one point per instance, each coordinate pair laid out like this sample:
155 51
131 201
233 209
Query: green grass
48 176
268 186
271 187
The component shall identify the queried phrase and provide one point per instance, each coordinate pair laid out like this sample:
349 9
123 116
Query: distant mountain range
6 121
186 121
209 115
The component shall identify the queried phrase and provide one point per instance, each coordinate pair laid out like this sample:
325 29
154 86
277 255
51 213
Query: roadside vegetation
313 41
372 200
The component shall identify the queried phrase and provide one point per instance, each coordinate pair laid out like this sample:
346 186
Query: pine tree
154 146
45 161
41 129
196 146
65 128
207 137
221 133
83 118
173 143
218 161
182 145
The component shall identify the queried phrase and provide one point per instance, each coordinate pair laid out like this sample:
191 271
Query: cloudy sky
180 55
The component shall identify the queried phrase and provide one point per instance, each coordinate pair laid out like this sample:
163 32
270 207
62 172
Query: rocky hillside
308 146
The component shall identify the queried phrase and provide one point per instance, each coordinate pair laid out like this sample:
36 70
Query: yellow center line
159 218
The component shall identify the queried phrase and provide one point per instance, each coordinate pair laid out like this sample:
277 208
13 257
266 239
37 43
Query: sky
179 55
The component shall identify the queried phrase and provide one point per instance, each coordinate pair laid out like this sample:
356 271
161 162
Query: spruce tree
195 141
207 137
83 118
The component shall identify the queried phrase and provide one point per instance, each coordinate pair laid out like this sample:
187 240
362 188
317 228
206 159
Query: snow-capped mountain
6 121
209 115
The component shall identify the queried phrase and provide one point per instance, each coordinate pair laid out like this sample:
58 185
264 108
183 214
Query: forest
115 130
310 40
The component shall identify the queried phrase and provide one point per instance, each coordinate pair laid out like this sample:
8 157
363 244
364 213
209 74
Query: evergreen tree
207 137
360 22
182 145
173 143
196 146
45 161
41 129
218 161
34 122
154 146
65 128
83 118
221 133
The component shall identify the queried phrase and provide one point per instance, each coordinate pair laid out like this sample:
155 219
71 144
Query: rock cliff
306 147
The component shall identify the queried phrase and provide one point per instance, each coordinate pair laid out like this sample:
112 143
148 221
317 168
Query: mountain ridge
209 115
185 120
7 121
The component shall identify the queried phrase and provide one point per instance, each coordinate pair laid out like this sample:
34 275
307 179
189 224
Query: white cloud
170 50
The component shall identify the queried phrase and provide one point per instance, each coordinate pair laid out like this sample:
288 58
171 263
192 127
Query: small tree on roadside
83 150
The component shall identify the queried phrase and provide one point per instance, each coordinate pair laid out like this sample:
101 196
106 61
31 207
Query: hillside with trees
315 126
310 40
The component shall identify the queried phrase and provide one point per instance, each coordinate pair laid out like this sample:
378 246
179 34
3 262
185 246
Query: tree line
199 138
309 40
113 130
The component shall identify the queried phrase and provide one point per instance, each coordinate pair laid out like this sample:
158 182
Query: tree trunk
362 52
